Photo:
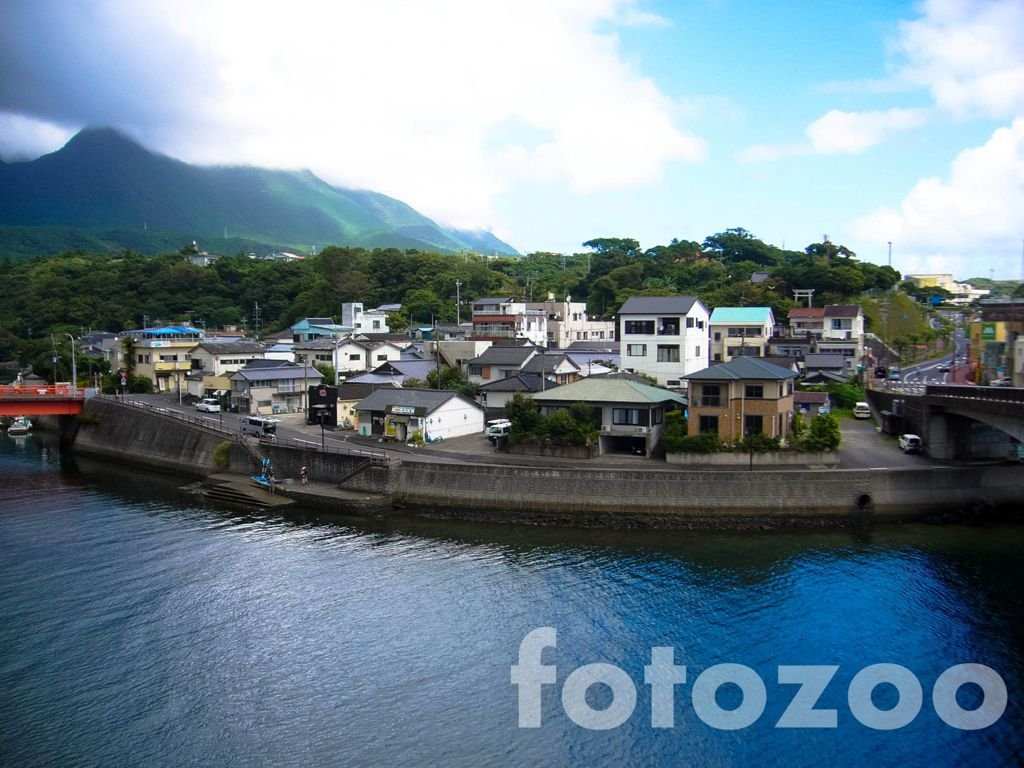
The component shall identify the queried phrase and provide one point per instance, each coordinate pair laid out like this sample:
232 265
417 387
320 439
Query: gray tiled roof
232 347
842 310
740 369
503 356
521 382
430 399
654 305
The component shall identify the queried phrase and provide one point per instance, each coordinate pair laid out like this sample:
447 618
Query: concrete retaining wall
770 459
571 495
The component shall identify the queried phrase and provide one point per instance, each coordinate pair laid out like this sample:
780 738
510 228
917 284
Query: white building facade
664 336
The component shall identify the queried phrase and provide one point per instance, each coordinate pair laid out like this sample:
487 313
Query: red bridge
41 401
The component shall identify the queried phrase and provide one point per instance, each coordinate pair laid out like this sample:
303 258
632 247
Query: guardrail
978 394
377 458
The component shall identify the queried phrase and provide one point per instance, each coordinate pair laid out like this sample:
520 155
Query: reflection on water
143 627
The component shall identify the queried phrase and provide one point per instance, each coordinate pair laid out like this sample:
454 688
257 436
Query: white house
664 336
498 318
567 321
361 320
398 414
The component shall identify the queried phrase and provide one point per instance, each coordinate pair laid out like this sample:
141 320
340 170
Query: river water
141 627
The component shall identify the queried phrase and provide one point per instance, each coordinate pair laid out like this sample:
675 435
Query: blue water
139 626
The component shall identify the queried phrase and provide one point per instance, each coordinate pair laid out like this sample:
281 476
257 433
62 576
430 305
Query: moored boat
20 426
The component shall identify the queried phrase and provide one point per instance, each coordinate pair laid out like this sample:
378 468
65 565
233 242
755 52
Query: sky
893 128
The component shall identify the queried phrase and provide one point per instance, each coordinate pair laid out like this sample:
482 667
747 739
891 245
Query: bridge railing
978 394
47 392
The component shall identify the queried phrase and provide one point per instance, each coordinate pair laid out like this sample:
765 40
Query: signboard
988 331
406 410
323 393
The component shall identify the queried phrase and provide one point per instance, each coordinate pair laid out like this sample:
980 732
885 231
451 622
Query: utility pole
74 366
890 253
458 302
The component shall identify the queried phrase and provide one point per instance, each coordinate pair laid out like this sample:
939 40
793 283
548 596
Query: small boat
20 426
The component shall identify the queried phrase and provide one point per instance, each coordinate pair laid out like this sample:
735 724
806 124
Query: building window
382 357
639 327
630 416
711 396
636 350
355 357
709 424
657 415
718 357
753 424
754 391
668 353
696 351
476 370
668 326
718 335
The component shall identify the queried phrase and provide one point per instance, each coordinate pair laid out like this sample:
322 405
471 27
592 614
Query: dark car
944 368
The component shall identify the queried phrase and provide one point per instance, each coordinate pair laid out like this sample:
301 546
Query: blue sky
552 122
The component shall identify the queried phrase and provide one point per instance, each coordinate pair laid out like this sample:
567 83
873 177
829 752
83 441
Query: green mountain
103 191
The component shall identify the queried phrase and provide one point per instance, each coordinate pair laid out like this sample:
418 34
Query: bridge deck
41 401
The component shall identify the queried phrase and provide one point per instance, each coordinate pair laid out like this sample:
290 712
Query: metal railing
377 458
47 392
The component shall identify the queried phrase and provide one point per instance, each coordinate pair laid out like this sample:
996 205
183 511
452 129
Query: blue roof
741 315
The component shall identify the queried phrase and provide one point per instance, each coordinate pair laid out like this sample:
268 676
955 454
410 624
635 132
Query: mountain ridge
103 181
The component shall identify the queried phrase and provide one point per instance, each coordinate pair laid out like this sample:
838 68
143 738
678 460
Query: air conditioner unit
606 428
641 430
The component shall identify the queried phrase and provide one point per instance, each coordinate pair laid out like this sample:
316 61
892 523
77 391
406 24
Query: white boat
20 426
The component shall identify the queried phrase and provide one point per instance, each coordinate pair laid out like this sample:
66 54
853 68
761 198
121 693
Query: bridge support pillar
939 440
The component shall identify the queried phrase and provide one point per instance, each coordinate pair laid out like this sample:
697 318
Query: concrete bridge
41 401
955 422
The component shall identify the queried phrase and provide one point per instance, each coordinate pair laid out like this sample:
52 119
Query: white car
209 405
910 443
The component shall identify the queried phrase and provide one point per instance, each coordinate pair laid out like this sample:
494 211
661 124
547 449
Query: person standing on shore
271 481
304 476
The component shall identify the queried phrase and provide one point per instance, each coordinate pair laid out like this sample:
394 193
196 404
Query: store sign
406 410
988 331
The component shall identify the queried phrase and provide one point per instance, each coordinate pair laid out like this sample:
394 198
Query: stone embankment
558 493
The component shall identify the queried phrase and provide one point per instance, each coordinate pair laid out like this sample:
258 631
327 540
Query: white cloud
407 98
969 54
853 132
23 138
973 219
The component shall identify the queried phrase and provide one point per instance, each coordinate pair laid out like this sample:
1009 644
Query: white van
264 429
861 411
498 428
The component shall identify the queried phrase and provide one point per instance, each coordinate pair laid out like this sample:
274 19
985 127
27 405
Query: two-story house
843 332
498 363
664 336
345 354
740 332
266 387
629 414
746 396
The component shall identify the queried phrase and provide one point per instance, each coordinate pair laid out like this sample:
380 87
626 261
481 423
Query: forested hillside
78 291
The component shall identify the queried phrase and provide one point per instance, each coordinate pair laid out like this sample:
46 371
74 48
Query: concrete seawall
564 494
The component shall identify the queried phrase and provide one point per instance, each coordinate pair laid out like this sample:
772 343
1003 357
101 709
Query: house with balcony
740 332
163 355
806 321
630 414
265 387
843 333
567 321
346 355
309 328
664 336
745 396
500 318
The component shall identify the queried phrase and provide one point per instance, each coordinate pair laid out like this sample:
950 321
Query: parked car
497 429
910 443
1002 381
861 411
257 426
209 405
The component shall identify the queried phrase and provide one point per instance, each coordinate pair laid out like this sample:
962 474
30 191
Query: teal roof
605 390
741 315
